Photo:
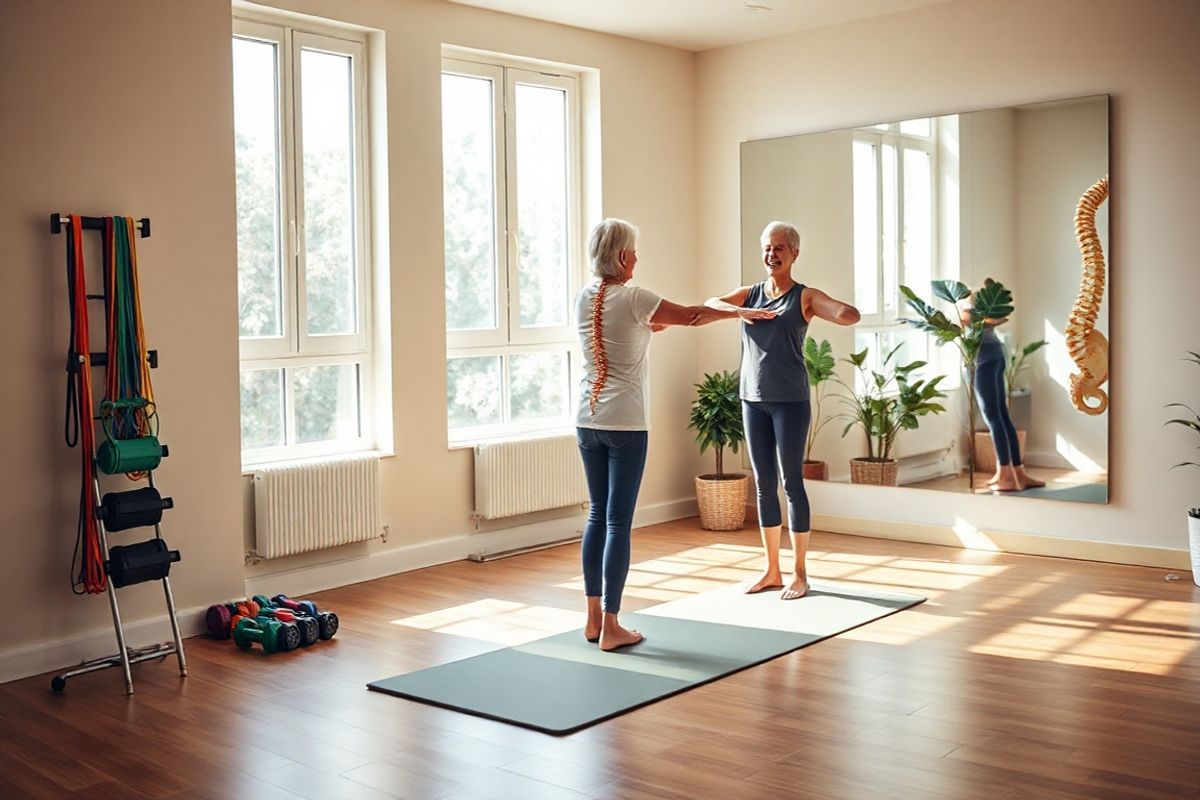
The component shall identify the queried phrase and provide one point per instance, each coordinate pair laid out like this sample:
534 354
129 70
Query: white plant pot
1194 543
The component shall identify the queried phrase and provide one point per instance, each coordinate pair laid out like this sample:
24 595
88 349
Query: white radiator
521 477
315 505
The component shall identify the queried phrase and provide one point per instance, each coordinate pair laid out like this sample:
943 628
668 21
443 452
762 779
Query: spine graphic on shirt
599 355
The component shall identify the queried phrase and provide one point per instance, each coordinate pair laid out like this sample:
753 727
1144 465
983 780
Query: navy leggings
993 402
775 435
613 462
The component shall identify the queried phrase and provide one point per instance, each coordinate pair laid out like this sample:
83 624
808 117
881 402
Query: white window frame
509 338
296 348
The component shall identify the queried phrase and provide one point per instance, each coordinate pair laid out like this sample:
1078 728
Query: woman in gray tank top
775 396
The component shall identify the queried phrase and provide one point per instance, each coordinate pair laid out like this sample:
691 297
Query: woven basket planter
722 501
877 471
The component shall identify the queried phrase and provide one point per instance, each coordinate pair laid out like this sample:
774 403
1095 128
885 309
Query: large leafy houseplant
887 401
717 420
989 306
717 417
820 364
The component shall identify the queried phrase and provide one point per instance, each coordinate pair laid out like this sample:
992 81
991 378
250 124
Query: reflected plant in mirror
988 307
959 197
1016 364
887 404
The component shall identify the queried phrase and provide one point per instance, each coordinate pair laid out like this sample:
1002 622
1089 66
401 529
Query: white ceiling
698 24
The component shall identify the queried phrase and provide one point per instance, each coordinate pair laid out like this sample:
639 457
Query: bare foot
1007 486
1031 483
592 634
768 580
992 481
615 637
796 589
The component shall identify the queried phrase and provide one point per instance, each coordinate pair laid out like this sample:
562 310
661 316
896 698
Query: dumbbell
310 628
275 637
327 620
220 619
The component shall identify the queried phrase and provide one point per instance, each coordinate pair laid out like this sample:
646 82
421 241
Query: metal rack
125 657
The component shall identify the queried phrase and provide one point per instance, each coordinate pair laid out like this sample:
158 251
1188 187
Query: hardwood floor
1021 677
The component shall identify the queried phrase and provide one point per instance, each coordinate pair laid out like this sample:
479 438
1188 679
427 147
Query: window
895 235
510 191
303 282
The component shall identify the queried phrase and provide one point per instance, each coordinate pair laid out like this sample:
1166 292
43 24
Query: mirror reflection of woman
992 397
775 397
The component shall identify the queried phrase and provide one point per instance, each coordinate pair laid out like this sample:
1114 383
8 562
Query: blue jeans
613 462
776 434
993 402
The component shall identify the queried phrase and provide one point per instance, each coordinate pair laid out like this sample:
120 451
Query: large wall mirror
964 197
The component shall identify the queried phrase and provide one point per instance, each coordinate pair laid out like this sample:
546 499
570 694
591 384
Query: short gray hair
607 241
793 235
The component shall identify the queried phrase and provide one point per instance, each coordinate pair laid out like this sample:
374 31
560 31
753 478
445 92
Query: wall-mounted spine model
128 418
1089 347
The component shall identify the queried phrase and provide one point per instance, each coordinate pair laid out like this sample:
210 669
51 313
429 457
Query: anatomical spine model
1089 347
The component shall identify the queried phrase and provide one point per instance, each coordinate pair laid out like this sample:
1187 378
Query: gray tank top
773 349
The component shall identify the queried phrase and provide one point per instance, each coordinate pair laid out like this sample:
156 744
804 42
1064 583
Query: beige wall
165 151
982 54
117 108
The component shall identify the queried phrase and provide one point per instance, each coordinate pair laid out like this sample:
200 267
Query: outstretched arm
818 304
669 313
729 302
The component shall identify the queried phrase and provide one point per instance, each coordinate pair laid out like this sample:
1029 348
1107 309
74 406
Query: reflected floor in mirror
1061 484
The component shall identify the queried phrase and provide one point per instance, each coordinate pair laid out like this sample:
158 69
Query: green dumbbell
309 628
264 631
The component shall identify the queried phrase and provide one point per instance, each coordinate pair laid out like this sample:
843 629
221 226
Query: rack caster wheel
58 683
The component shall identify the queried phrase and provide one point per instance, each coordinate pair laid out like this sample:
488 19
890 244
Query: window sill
248 469
470 442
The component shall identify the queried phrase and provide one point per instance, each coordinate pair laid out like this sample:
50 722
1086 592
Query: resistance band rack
133 566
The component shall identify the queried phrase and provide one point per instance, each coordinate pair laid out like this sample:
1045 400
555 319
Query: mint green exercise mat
562 683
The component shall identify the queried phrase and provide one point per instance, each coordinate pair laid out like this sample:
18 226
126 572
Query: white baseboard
62 654
318 577
1006 542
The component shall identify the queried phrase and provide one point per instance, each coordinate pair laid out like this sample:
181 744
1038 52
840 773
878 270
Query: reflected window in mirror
902 225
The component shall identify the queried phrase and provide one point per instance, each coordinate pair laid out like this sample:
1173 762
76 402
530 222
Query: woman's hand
657 327
749 315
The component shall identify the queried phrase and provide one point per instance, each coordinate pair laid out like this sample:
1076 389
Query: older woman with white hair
615 321
775 396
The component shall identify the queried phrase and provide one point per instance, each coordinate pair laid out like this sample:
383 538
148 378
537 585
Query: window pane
542 205
327 89
262 408
469 202
256 142
866 230
473 391
918 219
891 239
327 402
915 127
537 385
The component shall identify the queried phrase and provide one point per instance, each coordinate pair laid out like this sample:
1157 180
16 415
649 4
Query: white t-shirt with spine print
624 402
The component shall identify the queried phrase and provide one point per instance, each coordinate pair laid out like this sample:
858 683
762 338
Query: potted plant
819 361
1193 424
717 420
992 301
886 404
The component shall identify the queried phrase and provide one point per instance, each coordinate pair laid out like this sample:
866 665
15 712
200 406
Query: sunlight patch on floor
498 621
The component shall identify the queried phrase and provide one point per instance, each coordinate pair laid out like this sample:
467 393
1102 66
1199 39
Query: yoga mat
562 683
